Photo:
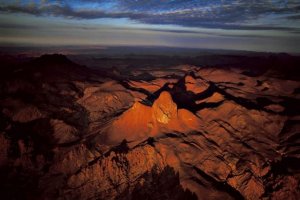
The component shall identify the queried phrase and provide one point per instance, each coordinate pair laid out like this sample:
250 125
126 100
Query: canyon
68 131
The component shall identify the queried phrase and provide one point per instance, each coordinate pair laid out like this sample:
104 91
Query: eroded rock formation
68 132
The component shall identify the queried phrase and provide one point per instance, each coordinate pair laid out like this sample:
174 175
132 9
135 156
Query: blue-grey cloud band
190 13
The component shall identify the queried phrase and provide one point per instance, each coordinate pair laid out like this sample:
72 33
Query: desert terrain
192 128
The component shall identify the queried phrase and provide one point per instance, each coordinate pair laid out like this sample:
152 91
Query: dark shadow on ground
161 186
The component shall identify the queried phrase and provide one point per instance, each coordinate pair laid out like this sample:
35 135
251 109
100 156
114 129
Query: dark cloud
67 11
5 25
233 14
294 17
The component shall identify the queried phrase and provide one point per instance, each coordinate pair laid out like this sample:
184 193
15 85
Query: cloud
220 14
66 11
6 25
294 17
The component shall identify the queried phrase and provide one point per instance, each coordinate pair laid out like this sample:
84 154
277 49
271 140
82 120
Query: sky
253 25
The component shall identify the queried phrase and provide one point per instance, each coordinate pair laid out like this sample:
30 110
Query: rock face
195 85
164 109
103 102
185 132
63 132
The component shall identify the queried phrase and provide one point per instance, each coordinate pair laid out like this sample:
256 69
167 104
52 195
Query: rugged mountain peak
141 121
164 108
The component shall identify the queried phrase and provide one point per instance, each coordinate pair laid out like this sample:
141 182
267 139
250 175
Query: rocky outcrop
62 132
141 121
195 85
105 100
18 111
